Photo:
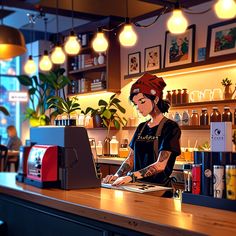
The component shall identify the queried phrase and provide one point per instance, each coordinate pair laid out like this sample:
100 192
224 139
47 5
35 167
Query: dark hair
163 105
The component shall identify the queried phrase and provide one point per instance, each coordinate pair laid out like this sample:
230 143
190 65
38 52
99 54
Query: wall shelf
201 104
87 69
210 64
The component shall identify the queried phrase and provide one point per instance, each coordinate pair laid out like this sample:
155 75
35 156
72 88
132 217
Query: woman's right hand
109 179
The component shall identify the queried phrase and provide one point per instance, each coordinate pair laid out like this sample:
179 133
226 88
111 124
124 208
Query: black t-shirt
143 147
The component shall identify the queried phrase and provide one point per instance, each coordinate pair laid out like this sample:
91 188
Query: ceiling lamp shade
12 42
177 24
58 56
30 66
225 9
128 37
45 63
100 43
72 46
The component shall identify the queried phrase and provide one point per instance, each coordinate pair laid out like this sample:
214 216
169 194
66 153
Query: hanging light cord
2 12
72 14
45 28
57 23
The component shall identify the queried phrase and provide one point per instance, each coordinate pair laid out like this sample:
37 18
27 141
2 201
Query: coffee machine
76 167
42 166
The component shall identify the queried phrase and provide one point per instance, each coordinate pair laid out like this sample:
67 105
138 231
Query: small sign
18 97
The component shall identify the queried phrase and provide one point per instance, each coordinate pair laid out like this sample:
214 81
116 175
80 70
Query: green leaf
112 96
121 109
115 101
25 80
102 103
116 124
4 111
32 91
107 114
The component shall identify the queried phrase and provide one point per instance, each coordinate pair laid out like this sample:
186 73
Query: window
8 82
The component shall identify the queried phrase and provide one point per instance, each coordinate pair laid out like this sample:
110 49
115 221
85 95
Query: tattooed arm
154 168
126 166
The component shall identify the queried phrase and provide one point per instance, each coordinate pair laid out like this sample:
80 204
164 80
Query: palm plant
40 90
64 105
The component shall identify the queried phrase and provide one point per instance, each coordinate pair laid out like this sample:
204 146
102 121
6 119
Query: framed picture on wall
152 58
221 39
179 48
134 63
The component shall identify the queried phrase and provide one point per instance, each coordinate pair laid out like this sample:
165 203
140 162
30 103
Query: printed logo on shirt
147 138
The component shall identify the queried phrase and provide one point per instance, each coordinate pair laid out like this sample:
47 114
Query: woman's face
143 104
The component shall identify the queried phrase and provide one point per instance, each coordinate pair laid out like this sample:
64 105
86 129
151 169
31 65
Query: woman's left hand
122 180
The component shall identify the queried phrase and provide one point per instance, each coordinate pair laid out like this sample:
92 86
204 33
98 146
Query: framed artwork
134 63
221 38
152 58
179 48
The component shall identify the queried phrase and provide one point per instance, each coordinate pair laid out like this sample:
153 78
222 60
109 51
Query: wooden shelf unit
109 72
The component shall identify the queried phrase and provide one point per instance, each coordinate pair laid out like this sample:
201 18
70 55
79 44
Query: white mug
217 94
195 96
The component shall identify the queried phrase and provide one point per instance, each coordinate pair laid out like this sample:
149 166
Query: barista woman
155 144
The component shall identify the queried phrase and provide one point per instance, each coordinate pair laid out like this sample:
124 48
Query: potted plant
64 106
227 90
107 113
40 89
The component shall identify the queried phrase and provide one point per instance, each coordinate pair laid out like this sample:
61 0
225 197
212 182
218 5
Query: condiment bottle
99 148
215 115
123 150
114 144
168 96
194 119
185 96
106 146
204 118
226 115
174 97
179 97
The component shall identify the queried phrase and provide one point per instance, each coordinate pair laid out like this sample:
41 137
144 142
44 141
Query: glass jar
194 119
123 151
226 115
99 148
215 115
179 97
174 97
177 118
168 96
204 118
185 118
185 96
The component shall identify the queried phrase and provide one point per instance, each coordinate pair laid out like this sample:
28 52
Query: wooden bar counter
28 210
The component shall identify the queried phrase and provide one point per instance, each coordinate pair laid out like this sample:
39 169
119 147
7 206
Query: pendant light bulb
72 46
100 43
58 56
128 36
177 23
45 63
225 9
30 66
